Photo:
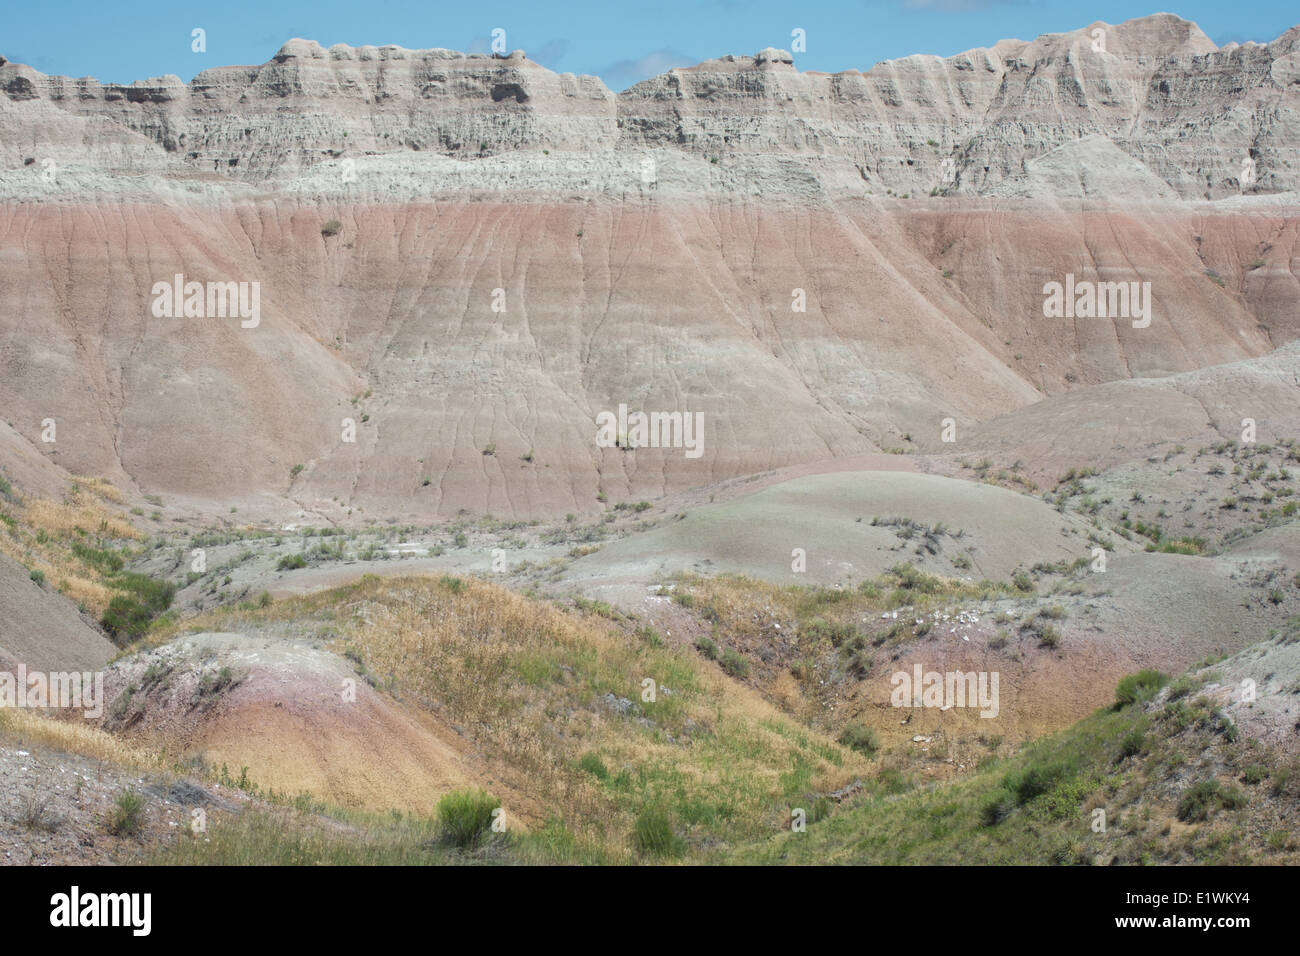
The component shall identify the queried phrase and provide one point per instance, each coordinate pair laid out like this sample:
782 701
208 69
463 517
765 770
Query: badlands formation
376 445
518 251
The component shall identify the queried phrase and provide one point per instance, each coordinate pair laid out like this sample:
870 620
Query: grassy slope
554 698
527 682
1145 765
76 544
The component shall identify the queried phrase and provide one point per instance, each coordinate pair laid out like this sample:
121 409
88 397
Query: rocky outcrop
464 260
1207 122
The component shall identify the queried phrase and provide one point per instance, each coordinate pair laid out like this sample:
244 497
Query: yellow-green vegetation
794 640
126 816
1165 774
29 727
604 725
319 836
78 545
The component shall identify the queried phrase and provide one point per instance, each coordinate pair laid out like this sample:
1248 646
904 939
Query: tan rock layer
673 308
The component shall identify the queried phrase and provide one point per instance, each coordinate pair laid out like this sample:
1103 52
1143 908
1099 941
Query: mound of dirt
830 516
290 717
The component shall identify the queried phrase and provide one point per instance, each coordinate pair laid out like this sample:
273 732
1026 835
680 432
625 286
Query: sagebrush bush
1132 743
859 737
1206 796
734 663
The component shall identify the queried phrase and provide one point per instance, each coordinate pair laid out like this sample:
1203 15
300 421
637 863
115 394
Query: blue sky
622 41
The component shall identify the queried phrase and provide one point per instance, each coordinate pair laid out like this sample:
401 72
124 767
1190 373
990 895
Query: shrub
821 809
1138 686
129 614
734 663
1205 797
592 763
1038 778
997 807
1224 725
1132 743
465 817
1182 687
291 562
653 835
214 682
1048 636
38 576
1281 776
106 560
707 647
1255 773
127 814
331 228
912 579
34 814
859 737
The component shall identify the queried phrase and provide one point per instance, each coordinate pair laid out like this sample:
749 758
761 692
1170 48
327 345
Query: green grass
465 817
593 765
104 560
140 601
653 834
1139 686
1036 806
1206 796
126 816
734 664
301 832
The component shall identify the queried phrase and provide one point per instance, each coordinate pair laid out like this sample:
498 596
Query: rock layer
469 258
